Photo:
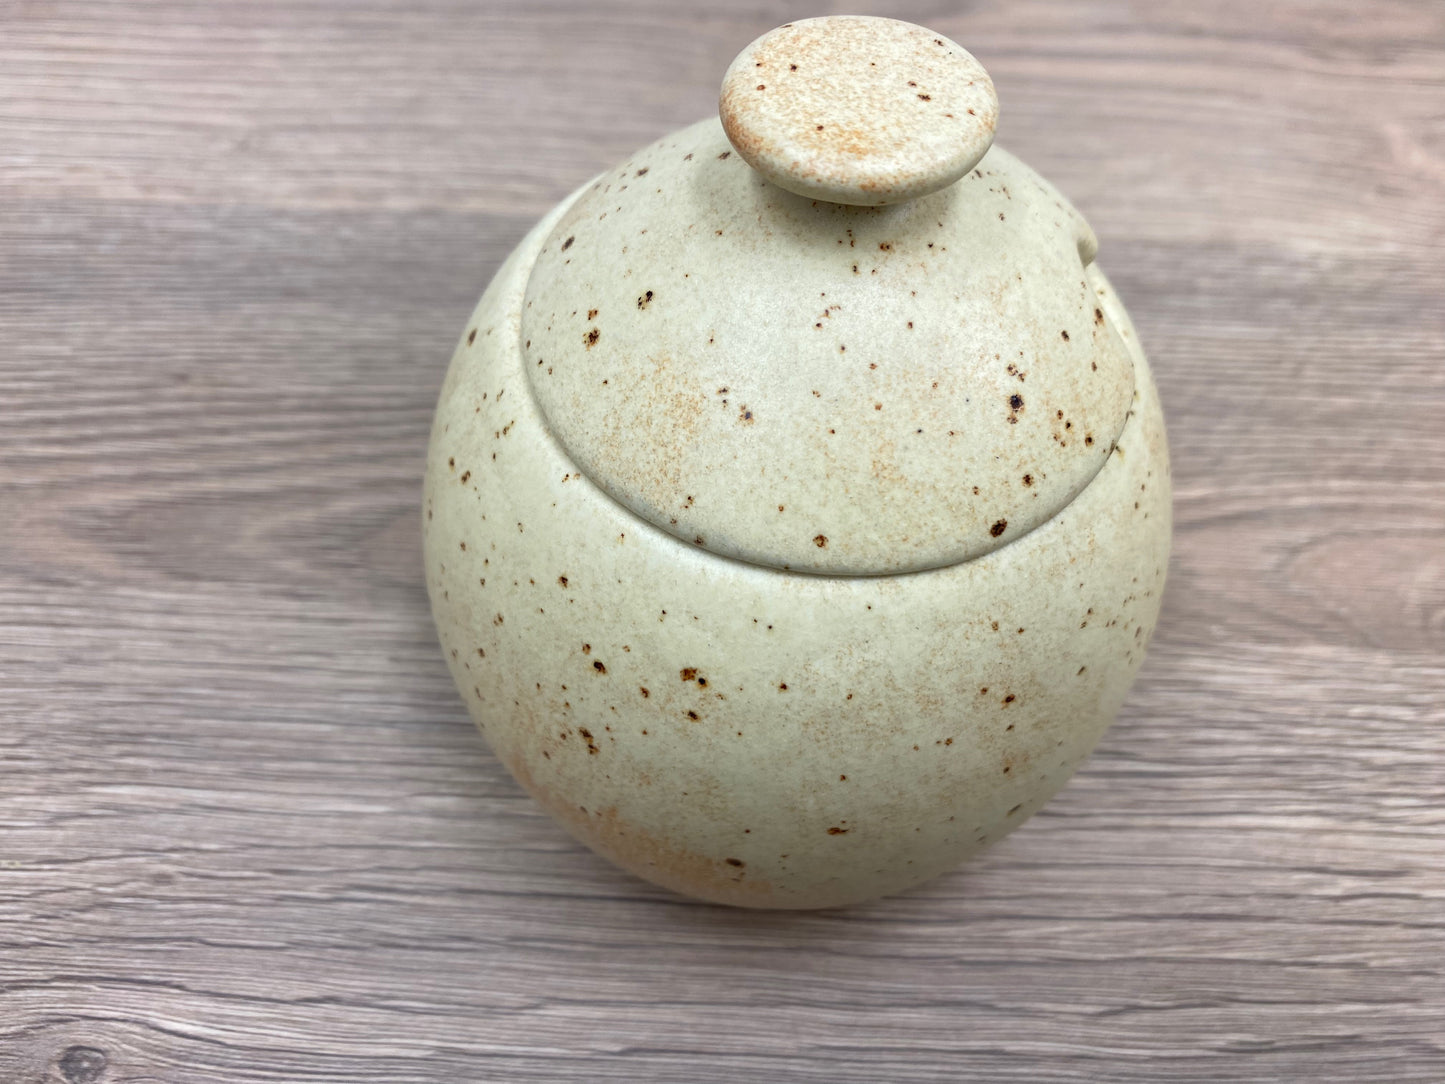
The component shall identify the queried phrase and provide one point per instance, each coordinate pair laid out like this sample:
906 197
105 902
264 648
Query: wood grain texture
246 830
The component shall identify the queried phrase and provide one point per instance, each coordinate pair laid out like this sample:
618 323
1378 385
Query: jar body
757 737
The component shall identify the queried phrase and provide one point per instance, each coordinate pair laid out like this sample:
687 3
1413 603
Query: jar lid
827 386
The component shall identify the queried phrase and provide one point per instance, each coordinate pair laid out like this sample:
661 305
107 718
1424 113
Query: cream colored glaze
804 385
749 734
859 110
881 764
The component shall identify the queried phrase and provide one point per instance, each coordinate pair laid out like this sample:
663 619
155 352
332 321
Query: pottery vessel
797 507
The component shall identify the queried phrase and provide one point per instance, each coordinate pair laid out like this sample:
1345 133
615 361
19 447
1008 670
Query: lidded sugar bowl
797 506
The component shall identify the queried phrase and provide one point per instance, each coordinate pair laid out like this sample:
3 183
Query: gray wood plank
246 830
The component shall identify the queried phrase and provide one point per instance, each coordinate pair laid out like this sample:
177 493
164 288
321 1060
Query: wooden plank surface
246 830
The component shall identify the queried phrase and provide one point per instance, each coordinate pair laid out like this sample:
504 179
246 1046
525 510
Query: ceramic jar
797 506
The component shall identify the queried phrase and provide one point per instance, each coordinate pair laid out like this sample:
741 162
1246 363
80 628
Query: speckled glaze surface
825 652
806 385
858 110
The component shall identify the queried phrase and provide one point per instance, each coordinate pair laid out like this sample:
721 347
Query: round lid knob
858 110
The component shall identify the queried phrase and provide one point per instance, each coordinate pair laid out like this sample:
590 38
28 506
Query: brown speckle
688 673
471 336
820 540
590 339
1065 334
644 299
694 716
568 243
562 581
735 862
836 831
998 528
597 665
645 694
